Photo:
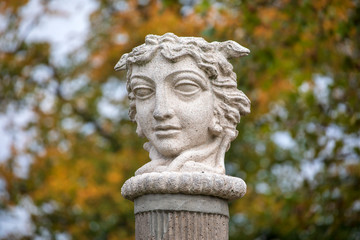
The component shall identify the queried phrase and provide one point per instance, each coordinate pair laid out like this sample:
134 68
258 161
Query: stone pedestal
172 205
179 216
169 225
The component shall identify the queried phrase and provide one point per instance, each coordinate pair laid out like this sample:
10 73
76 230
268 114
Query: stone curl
212 58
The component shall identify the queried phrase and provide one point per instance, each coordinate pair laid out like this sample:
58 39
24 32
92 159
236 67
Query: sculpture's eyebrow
200 79
188 71
134 79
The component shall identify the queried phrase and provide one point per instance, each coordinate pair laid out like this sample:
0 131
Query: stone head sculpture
184 98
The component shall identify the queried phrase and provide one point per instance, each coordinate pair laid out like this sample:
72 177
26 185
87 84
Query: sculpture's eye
187 87
143 92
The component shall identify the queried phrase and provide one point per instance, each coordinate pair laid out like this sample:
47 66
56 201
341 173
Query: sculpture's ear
121 64
231 49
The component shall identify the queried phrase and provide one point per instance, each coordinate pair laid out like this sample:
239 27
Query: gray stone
181 202
179 225
206 184
184 99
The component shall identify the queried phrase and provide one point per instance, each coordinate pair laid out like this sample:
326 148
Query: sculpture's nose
163 109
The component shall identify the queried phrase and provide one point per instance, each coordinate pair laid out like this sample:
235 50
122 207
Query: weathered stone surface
179 216
181 202
184 98
208 184
179 225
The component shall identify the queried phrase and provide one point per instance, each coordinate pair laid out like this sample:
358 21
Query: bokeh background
67 145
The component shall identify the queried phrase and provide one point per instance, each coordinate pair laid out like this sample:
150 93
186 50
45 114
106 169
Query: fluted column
166 225
179 216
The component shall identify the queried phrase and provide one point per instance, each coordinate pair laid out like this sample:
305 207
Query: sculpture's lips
166 130
166 127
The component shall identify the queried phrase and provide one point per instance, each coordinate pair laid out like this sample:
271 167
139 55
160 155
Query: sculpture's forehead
159 67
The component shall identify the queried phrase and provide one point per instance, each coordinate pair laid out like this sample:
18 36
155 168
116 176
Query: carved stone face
174 104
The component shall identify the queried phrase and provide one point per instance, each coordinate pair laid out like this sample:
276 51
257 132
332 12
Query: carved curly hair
212 58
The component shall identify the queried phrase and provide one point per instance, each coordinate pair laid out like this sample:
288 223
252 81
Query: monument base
180 216
171 205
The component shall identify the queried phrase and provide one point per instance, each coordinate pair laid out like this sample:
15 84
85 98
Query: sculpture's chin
172 147
168 152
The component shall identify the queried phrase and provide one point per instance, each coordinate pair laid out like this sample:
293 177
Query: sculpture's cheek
196 118
144 117
186 127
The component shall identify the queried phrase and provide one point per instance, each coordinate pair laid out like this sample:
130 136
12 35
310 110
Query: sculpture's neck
204 158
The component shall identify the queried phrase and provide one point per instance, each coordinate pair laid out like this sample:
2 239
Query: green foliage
302 77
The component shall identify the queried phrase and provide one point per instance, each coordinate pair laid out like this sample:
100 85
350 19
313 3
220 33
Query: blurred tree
298 150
